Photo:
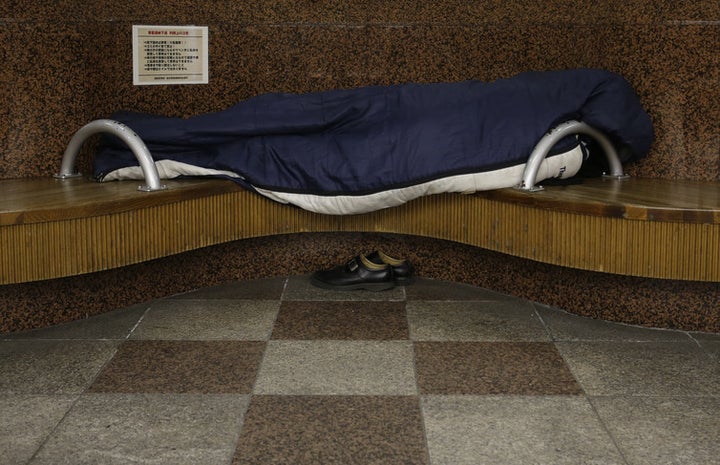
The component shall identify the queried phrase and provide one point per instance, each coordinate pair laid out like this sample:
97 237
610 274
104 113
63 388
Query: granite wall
67 62
691 306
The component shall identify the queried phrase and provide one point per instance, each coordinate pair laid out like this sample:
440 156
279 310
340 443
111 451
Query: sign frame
170 55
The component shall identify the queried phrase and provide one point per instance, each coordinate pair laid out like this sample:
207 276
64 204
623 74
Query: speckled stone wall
658 303
67 62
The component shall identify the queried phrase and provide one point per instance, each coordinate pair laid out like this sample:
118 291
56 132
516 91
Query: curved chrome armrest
560 131
127 135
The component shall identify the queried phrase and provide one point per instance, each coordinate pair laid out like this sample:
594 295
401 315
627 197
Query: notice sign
170 55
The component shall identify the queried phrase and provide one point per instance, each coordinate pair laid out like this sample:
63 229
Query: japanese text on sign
170 55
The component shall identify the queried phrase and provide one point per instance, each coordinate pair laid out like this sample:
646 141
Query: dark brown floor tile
341 320
182 367
521 368
332 430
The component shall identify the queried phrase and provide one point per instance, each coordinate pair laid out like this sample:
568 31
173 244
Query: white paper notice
170 55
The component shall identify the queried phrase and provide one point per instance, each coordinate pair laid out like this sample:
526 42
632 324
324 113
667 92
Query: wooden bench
647 228
638 227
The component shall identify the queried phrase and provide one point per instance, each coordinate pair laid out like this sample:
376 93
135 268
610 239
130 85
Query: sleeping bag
357 150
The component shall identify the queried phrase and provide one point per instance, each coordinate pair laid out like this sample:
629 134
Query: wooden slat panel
614 245
640 248
545 229
61 248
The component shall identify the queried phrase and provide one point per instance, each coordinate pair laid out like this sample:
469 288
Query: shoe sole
405 281
375 287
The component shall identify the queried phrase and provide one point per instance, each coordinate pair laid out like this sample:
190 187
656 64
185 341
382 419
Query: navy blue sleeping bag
357 150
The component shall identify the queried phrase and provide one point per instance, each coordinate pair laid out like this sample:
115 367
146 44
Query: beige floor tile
337 368
501 430
502 320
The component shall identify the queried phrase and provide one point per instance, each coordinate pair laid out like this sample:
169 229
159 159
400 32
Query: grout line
57 424
83 391
606 429
418 394
286 283
137 323
551 338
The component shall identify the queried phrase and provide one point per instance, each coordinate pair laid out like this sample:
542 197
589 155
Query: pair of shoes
375 272
403 271
358 273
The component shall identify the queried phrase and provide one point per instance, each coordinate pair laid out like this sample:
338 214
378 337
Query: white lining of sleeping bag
561 166
167 169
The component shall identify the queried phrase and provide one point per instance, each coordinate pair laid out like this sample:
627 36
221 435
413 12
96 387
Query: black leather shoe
403 271
358 273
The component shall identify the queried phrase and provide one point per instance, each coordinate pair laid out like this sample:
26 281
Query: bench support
127 135
559 132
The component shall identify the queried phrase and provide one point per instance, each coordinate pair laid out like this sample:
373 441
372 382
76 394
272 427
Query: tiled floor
279 372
